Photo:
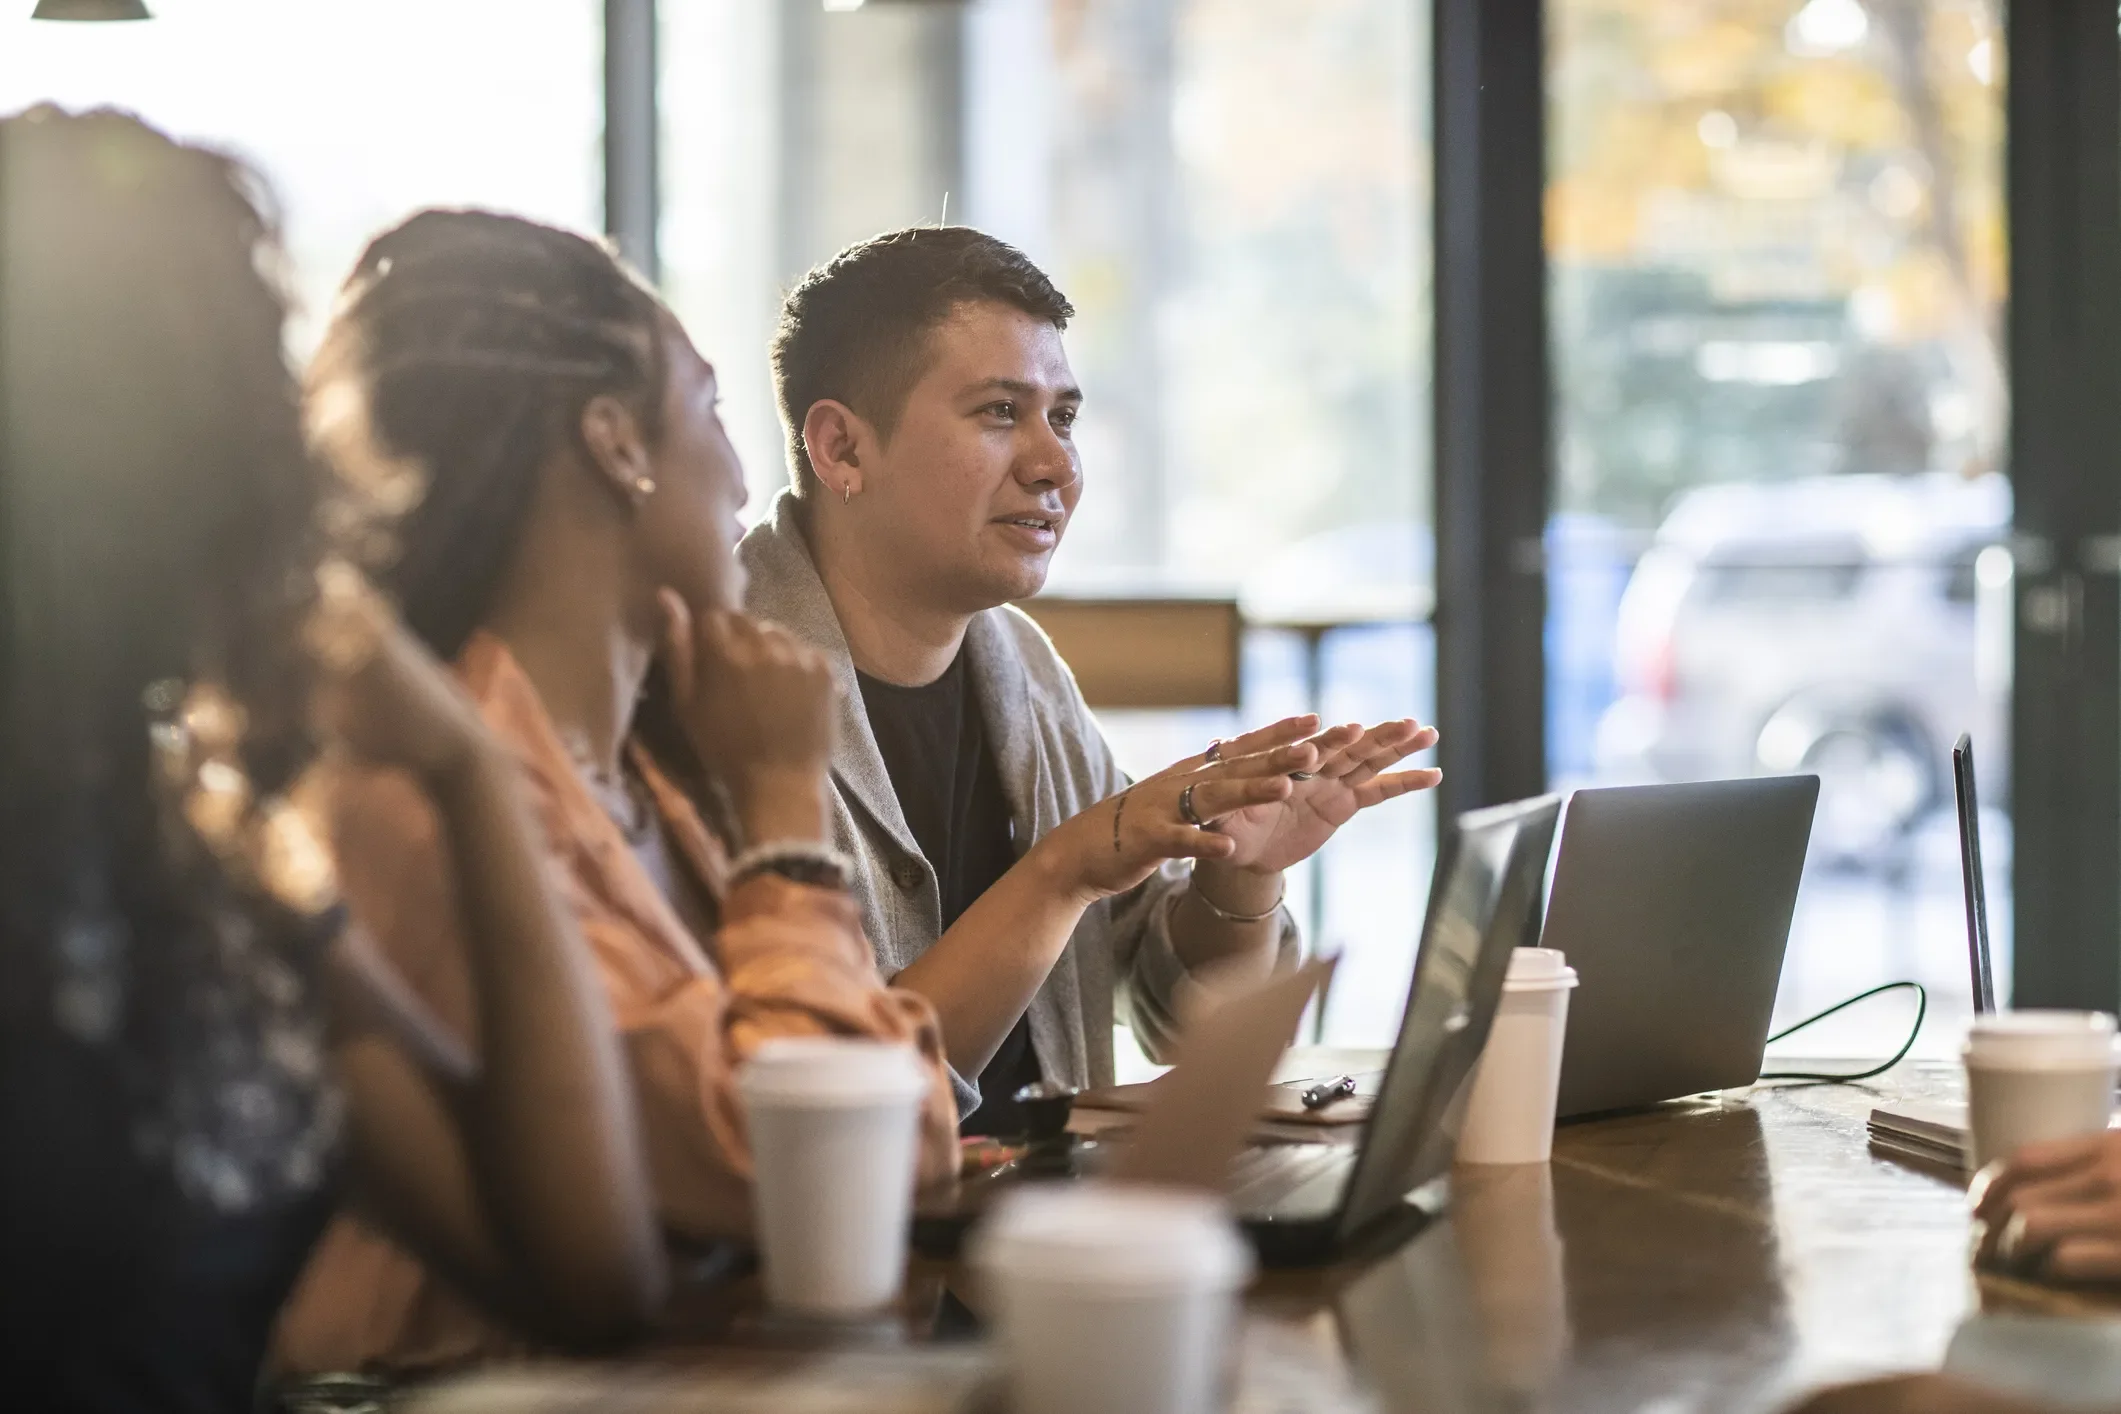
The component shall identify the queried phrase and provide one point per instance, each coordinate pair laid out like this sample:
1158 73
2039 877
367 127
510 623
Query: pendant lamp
91 10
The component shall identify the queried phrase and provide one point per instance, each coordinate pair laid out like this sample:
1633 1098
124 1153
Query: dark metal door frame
1493 399
2064 185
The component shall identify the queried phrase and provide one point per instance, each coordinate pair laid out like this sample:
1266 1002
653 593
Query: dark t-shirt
935 747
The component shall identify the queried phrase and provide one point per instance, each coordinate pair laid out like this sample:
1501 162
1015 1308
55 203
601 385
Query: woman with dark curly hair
199 1056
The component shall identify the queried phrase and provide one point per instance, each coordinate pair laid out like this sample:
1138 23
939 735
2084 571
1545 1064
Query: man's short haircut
855 329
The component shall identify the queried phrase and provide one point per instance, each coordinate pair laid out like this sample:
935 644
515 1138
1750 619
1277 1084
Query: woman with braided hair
570 515
198 1054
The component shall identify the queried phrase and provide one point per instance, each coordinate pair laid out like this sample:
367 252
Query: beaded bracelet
798 861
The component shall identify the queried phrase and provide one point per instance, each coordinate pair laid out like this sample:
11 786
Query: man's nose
1048 462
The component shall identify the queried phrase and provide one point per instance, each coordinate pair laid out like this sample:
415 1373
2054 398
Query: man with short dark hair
1015 877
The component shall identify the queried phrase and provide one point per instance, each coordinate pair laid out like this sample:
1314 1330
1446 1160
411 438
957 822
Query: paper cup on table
835 1135
2036 1075
1510 1117
1111 1298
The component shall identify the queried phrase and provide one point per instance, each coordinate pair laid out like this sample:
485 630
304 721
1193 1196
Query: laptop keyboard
1267 1175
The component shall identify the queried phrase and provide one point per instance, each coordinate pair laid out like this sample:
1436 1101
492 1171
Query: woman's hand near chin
757 705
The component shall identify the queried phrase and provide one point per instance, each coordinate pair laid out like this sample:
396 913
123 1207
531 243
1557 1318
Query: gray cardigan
1054 763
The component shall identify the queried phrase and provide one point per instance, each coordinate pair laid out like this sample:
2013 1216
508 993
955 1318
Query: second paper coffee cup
835 1132
1114 1299
1510 1116
2034 1076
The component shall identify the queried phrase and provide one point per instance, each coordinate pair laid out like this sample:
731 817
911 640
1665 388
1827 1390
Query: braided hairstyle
156 533
465 348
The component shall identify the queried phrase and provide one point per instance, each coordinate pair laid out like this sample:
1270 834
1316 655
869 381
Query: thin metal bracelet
1228 917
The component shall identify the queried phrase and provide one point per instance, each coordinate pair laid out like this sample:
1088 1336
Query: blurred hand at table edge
379 693
2053 1210
1916 1394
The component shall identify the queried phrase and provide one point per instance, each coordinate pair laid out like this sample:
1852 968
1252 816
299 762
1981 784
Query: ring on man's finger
1186 811
1303 775
2012 1238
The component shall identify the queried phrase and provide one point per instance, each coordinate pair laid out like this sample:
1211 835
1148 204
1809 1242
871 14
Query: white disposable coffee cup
835 1136
1510 1117
2036 1075
1111 1298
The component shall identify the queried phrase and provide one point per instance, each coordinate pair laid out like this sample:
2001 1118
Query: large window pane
719 96
1235 195
1778 273
357 111
787 133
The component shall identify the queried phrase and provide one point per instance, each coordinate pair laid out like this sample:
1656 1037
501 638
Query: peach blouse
785 959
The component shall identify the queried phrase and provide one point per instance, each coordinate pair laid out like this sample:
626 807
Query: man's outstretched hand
1354 772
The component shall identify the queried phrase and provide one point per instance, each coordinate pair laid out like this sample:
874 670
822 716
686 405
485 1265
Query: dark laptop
1673 904
1307 1203
1969 802
1933 1133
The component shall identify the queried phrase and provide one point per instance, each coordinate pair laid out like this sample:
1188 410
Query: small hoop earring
644 486
846 493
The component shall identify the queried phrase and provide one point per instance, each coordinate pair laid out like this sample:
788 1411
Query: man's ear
837 439
618 451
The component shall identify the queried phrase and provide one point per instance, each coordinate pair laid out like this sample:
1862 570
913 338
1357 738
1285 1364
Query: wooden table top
1724 1253
1720 1253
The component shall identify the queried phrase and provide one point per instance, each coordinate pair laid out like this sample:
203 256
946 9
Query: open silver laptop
1673 904
1306 1203
1302 1204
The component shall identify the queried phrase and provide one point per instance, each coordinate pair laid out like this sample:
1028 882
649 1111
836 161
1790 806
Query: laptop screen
1488 880
1969 802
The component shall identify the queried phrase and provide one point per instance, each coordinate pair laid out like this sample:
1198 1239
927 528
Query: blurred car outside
1847 625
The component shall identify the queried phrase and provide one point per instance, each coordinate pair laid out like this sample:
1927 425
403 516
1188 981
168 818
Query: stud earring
644 487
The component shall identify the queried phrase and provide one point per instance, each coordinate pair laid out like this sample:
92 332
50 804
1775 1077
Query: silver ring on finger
1186 811
1303 775
2012 1240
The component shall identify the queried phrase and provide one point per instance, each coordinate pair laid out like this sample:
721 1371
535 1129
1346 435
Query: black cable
1922 1006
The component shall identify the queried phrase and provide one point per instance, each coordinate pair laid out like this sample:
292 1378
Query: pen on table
1325 1092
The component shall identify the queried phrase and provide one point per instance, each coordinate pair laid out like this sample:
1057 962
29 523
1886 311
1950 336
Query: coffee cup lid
2040 1039
830 1071
1115 1238
1539 970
